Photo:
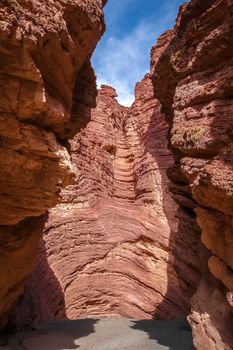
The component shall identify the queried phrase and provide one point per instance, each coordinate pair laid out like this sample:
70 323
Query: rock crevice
140 198
110 243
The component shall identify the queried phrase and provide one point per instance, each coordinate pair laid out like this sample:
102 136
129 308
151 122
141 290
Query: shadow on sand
175 334
57 335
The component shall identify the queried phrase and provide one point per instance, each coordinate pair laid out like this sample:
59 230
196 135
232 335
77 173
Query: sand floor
104 334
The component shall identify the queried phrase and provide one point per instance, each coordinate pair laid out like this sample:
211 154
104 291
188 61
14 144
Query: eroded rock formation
124 239
193 81
47 89
109 247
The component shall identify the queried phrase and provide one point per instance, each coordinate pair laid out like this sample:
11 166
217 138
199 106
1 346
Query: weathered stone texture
47 87
126 239
193 81
110 244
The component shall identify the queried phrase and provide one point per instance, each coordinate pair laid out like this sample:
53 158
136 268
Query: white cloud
122 62
125 97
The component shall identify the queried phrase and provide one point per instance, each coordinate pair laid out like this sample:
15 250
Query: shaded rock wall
193 81
47 88
110 244
118 243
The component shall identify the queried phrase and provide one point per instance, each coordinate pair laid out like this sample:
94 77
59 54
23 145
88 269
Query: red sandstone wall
193 81
47 88
108 248
117 243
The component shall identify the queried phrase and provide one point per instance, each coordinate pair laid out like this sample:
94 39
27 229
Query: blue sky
122 57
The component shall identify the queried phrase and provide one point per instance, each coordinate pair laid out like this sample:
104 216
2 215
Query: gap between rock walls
131 207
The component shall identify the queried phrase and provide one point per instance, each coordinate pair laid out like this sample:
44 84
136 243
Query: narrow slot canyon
109 244
115 222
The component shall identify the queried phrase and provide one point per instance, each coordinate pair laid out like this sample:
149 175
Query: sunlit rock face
193 81
111 246
47 88
144 228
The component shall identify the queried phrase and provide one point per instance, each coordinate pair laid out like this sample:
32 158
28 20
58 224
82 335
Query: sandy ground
105 334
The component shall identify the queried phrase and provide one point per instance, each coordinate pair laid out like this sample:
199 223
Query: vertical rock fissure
143 228
117 222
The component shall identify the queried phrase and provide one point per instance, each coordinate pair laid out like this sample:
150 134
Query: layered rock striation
144 226
47 90
193 81
109 247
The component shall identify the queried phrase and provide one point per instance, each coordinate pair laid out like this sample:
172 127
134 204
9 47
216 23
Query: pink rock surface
124 240
47 88
193 81
109 247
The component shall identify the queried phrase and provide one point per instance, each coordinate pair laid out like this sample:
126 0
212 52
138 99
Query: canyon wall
192 78
109 248
47 90
144 224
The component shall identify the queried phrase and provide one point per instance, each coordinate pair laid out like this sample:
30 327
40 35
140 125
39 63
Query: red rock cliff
193 80
124 240
47 89
110 247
